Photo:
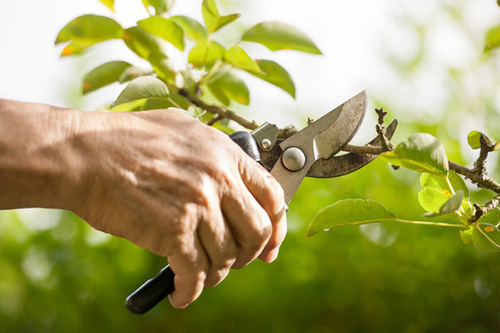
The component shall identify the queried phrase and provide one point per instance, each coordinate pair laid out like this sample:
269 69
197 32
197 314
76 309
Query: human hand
180 189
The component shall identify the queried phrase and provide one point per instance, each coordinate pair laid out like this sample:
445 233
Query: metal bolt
266 144
293 159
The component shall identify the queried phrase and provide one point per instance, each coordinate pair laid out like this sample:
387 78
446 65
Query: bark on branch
220 112
480 211
481 180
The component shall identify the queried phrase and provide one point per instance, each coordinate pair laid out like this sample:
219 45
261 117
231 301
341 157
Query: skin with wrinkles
160 179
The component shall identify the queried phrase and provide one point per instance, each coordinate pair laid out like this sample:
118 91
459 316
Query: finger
219 245
190 265
249 224
270 252
269 193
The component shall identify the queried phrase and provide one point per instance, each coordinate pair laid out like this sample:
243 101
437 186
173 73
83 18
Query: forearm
39 165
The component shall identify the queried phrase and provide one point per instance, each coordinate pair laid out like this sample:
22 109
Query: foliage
209 69
445 194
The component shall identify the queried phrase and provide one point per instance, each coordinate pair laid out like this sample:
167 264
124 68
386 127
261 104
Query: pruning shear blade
321 139
337 166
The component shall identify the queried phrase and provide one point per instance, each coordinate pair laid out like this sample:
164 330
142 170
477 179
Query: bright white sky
355 37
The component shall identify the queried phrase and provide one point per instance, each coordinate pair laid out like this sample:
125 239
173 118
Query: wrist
39 165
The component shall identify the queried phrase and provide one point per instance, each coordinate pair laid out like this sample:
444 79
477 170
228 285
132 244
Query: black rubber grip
151 292
154 290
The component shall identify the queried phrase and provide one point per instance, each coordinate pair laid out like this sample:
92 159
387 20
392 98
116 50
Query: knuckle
275 192
224 263
216 277
258 236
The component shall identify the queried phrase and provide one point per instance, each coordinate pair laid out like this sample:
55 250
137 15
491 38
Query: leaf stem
210 73
450 187
437 224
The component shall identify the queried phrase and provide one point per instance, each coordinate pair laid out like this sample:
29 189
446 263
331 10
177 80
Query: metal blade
321 139
341 165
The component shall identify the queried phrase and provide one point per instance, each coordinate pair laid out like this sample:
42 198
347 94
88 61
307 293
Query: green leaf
163 66
273 73
237 57
432 200
76 47
451 206
213 20
164 28
134 72
486 237
160 6
437 191
474 139
109 3
466 235
440 183
87 30
206 53
492 39
192 28
172 101
141 42
135 105
421 152
157 104
492 217
228 87
142 87
103 75
280 36
349 212
179 101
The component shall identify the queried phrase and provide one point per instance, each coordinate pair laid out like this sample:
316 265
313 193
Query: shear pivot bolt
293 159
266 144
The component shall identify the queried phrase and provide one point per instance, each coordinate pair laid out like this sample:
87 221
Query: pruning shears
310 152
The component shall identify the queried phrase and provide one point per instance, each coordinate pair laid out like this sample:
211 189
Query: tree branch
480 211
386 144
219 111
486 148
477 175
372 150
481 180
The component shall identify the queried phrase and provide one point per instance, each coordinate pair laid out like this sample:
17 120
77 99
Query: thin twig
287 132
220 111
372 150
480 211
481 180
486 148
215 119
386 144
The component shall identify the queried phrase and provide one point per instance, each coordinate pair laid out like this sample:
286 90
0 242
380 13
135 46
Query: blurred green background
59 275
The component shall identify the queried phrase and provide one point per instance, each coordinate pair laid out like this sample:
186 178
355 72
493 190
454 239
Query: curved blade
341 165
321 139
